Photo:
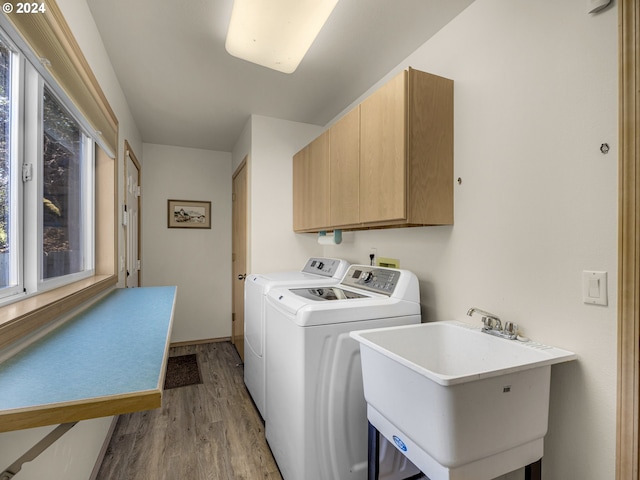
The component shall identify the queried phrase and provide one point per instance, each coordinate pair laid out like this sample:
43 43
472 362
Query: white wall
79 18
242 148
535 96
270 144
197 261
74 455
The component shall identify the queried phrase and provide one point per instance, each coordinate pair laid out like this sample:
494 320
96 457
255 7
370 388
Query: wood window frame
50 37
628 418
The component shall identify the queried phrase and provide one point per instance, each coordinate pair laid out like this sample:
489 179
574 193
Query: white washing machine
316 421
317 271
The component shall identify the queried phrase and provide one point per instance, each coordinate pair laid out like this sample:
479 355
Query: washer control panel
375 279
322 266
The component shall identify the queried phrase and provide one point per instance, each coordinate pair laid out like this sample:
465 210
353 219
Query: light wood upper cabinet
344 156
311 186
387 163
383 150
406 152
430 149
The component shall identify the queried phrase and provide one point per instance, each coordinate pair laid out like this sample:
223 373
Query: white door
132 225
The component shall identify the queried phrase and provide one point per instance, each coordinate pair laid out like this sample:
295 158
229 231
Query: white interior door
132 226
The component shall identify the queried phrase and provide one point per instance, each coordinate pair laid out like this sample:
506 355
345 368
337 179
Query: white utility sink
461 404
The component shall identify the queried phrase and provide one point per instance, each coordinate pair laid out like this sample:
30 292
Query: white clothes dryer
316 271
316 421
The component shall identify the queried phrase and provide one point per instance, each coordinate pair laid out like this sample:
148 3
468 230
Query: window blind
51 39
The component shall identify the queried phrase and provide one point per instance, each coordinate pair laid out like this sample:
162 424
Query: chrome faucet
493 326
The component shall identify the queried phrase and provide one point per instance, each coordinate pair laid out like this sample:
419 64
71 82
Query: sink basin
459 403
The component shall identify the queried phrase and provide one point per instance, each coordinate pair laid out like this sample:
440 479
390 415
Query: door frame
237 338
628 418
128 151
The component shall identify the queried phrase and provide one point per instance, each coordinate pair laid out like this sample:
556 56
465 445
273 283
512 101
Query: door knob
242 276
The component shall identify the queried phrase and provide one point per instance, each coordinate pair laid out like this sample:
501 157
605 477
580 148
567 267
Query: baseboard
200 342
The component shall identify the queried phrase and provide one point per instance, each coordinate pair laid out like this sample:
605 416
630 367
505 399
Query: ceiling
184 89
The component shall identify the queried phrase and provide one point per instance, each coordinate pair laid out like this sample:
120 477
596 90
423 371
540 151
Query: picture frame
188 214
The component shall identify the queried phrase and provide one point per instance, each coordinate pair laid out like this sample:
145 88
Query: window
33 292
8 253
64 163
5 171
46 212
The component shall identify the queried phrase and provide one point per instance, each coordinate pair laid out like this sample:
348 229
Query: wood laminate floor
210 431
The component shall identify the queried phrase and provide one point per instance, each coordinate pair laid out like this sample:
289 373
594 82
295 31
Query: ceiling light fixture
276 33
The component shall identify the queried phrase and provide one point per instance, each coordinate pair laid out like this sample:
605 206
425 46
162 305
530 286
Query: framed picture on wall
188 214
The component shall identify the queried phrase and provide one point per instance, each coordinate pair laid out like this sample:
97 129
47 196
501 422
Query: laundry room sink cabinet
389 161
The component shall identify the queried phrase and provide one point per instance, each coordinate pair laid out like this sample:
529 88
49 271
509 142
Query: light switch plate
594 288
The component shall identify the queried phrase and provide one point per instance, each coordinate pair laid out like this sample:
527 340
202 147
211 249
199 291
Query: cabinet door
430 149
311 185
383 121
345 170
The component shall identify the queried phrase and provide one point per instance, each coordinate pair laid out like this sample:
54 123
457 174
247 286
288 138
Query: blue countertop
115 349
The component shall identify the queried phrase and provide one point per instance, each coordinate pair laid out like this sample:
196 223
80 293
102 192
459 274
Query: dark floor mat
182 371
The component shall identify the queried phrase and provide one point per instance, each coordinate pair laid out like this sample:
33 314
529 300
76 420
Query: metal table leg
533 471
373 455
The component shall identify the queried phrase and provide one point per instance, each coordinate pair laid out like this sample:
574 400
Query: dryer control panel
327 267
375 279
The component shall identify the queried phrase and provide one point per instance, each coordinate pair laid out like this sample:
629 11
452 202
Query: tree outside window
62 233
5 165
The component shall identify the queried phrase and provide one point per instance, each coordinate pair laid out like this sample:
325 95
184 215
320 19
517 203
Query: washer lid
326 293
282 278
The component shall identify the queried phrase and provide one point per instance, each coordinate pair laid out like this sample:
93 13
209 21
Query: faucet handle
489 322
511 329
